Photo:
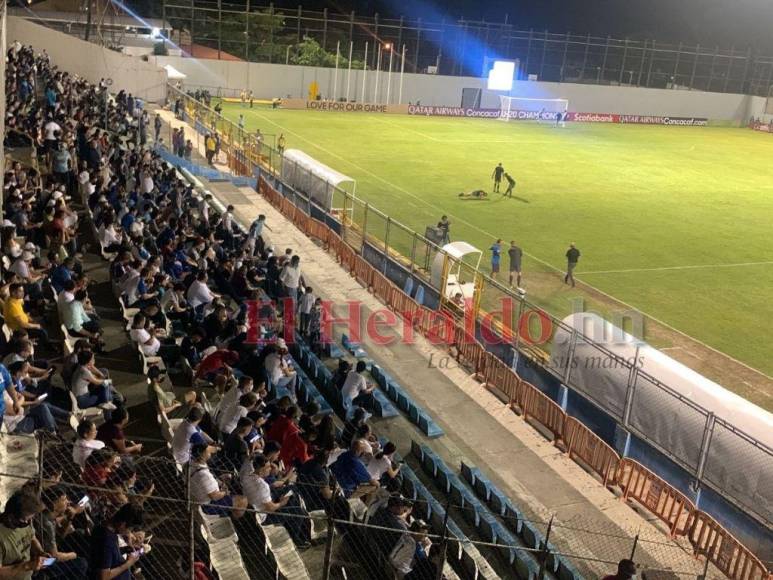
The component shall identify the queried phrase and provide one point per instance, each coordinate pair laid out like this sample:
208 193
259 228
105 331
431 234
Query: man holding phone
56 508
107 562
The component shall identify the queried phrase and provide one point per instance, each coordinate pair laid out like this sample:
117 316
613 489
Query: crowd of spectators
183 275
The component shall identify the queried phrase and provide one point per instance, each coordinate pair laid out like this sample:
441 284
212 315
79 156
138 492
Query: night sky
739 23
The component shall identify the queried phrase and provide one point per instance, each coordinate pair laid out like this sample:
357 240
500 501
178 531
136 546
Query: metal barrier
584 444
545 411
711 540
317 230
470 351
362 271
381 286
650 491
503 378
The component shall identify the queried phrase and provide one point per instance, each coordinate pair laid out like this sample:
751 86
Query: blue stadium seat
408 287
467 473
419 298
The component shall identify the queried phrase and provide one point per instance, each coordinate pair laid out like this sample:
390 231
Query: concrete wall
141 78
274 80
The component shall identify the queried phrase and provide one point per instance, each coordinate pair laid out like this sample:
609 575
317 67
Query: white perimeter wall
277 80
132 74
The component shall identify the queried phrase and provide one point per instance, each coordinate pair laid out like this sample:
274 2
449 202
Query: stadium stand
262 456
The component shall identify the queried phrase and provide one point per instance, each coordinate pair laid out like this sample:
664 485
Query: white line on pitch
693 267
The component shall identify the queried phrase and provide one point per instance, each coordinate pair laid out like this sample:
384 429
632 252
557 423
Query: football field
675 222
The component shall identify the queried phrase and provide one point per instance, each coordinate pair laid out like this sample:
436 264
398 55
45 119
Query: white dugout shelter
304 173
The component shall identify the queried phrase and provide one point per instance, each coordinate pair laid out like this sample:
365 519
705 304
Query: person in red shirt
220 359
284 425
626 570
296 447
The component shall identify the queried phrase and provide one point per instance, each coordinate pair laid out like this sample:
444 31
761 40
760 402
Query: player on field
496 253
515 254
510 185
497 175
477 194
561 118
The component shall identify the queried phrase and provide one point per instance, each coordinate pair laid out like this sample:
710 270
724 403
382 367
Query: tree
308 52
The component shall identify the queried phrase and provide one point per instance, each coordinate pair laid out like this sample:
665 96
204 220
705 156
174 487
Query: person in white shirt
232 396
258 493
228 418
86 443
277 370
207 491
148 343
381 463
109 238
199 293
305 306
412 545
291 279
355 387
187 434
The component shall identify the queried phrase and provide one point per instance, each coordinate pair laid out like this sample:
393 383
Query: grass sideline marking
551 266
667 268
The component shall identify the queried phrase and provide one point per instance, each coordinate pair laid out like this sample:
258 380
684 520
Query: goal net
543 110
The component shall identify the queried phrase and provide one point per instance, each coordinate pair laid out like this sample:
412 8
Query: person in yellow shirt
17 319
211 146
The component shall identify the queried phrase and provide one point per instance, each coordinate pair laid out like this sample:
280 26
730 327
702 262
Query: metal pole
545 551
328 548
389 77
444 540
563 62
528 53
622 64
649 67
635 545
542 60
585 58
298 26
708 433
729 68
378 71
641 65
349 74
402 75
219 27
364 72
695 66
418 46
271 33
676 66
375 34
193 19
335 75
247 33
713 62
324 29
604 62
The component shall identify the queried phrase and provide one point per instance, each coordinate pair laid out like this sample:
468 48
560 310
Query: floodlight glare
388 46
500 77
155 32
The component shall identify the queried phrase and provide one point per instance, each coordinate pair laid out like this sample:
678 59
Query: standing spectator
572 257
291 279
20 551
280 143
157 127
305 306
496 253
516 254
211 146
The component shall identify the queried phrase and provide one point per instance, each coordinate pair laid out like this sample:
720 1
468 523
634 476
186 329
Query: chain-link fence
303 529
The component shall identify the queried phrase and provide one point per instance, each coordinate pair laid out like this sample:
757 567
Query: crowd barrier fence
650 491
637 482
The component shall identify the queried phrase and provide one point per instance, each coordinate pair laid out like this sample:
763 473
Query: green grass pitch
674 221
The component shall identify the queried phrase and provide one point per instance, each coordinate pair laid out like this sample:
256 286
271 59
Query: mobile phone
84 500
48 562
254 438
42 397
290 493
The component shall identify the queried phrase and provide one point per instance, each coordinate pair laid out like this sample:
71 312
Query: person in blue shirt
496 253
51 96
351 474
106 556
62 273
6 384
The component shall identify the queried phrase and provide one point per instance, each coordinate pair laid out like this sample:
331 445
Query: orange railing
668 504
544 410
711 540
638 483
584 444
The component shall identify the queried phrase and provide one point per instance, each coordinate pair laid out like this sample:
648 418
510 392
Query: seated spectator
199 294
283 425
229 418
351 474
356 391
62 273
296 447
258 492
25 412
57 509
187 434
106 560
90 387
279 373
411 550
209 492
112 435
315 482
236 449
16 318
381 463
219 360
394 516
352 426
192 346
20 552
164 400
78 323
86 442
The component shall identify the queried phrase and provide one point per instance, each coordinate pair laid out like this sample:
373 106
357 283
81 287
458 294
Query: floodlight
500 77
155 32
387 46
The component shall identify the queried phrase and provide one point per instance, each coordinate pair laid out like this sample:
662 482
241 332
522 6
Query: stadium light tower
387 46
